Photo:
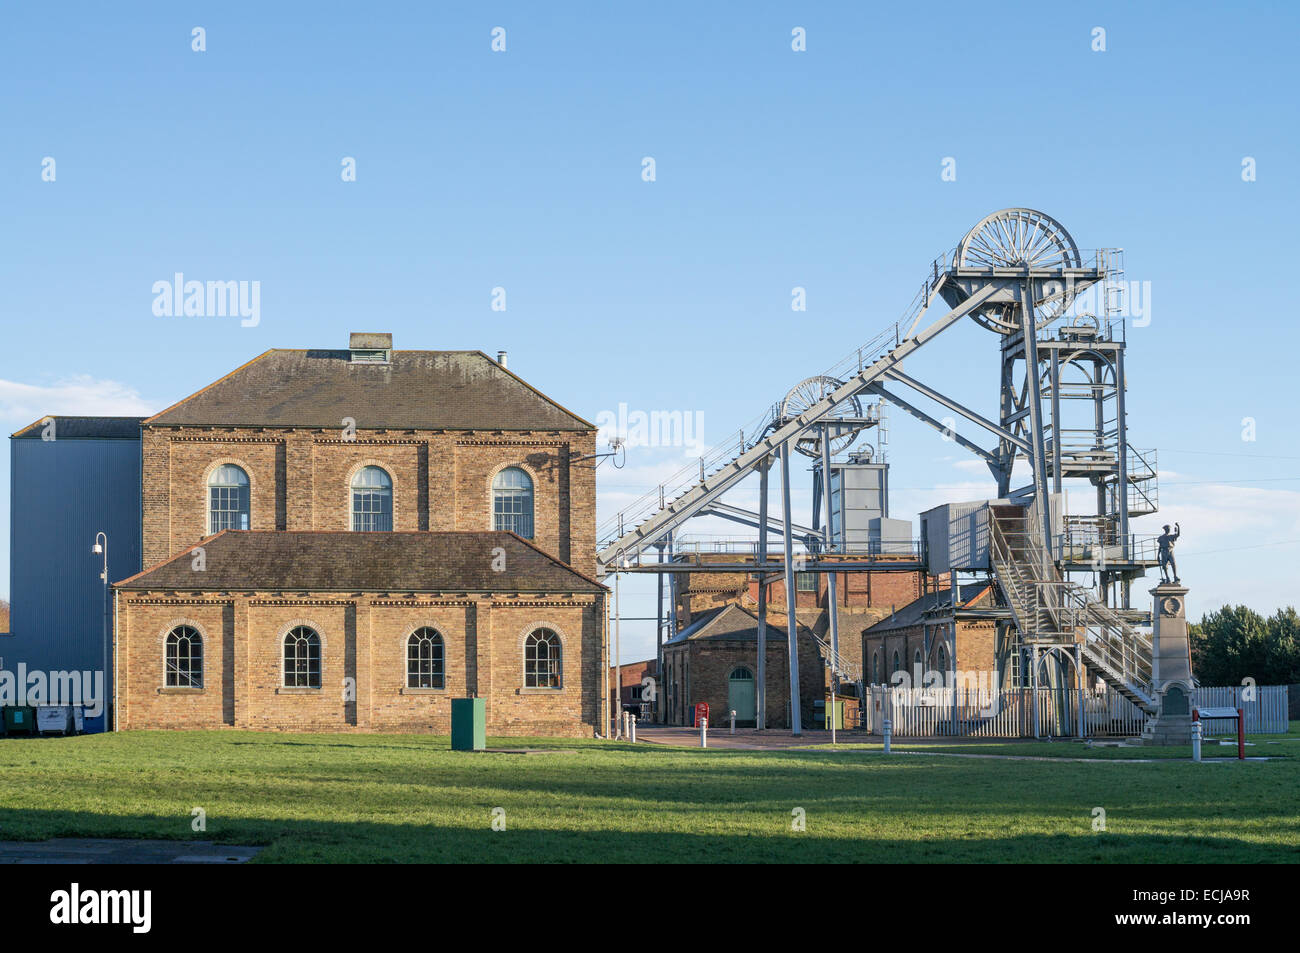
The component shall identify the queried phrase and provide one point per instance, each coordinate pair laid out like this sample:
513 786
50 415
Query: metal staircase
1053 611
842 667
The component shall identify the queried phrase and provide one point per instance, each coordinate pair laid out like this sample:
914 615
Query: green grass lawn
410 798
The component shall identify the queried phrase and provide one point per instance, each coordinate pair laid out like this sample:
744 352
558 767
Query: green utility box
20 720
468 724
821 715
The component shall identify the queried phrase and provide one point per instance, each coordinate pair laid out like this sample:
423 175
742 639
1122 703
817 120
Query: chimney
501 358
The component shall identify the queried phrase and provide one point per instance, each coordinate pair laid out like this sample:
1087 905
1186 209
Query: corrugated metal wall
63 492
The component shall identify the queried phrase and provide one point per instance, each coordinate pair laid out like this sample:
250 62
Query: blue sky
774 168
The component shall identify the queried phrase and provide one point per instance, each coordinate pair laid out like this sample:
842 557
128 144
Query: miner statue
1167 565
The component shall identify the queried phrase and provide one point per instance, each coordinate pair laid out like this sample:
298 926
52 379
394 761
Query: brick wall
700 670
976 648
300 479
363 639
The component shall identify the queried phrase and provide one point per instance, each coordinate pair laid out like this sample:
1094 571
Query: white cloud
22 404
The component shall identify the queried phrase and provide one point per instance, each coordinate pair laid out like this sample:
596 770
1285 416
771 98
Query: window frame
555 671
510 494
378 493
194 637
209 486
435 638
297 685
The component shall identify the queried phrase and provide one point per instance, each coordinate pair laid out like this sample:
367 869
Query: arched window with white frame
543 659
425 659
183 658
302 658
228 498
512 502
372 501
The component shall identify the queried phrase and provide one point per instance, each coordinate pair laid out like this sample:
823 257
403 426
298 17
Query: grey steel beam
1034 404
749 518
760 688
958 408
832 598
938 425
792 625
777 569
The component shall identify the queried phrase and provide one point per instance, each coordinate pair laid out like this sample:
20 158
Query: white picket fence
1266 712
975 713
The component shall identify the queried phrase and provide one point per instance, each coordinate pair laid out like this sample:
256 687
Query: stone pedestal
1171 668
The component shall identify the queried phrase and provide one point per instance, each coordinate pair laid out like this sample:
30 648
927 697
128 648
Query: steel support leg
760 689
792 639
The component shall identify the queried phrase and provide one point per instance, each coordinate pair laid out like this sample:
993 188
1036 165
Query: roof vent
501 358
370 347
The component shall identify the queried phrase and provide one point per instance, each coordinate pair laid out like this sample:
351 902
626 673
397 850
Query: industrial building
324 539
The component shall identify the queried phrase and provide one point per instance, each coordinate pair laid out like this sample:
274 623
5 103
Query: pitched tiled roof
84 428
912 613
728 623
243 560
416 390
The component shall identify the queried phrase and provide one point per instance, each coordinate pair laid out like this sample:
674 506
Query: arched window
918 660
943 658
227 498
183 656
372 501
424 659
875 668
302 658
542 659
897 663
512 502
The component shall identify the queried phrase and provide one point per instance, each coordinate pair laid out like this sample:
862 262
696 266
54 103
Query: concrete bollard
1196 740
887 729
704 732
632 727
733 721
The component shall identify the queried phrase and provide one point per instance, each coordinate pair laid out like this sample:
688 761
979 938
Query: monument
1171 654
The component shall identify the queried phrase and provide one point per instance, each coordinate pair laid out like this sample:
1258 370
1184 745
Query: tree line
1236 642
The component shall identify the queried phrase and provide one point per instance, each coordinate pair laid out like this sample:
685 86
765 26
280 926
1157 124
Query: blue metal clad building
64 491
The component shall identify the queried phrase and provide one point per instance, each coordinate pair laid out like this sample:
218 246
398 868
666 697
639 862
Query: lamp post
101 547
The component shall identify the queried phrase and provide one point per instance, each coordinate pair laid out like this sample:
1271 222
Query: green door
740 696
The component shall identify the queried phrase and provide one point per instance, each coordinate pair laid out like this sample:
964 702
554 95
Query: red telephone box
701 713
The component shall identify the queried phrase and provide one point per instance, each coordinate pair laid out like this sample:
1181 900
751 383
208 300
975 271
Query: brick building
863 600
714 660
350 538
631 679
938 633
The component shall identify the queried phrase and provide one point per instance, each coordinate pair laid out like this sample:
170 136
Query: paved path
747 739
111 850
775 739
